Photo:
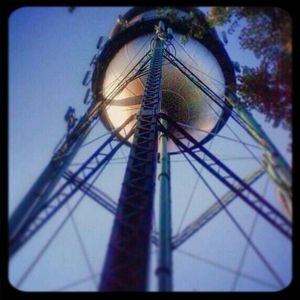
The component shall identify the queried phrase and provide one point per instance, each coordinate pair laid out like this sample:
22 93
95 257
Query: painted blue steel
278 220
164 268
127 258
198 82
247 122
87 78
205 89
29 233
211 212
99 43
101 198
36 198
251 122
122 35
43 187
131 75
25 232
239 227
227 106
111 206
91 191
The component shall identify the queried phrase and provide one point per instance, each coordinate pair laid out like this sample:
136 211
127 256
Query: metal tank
181 99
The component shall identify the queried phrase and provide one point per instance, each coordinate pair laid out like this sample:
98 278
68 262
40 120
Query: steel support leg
164 269
45 210
253 199
275 164
42 188
127 258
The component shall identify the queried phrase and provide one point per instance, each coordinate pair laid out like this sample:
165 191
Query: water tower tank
182 100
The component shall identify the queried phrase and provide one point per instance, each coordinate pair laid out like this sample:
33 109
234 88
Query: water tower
159 107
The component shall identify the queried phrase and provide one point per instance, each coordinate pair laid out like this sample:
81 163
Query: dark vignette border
6 8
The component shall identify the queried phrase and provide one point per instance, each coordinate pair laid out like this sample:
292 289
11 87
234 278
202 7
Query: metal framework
275 164
164 269
212 211
230 179
177 240
43 187
45 210
127 259
33 208
101 198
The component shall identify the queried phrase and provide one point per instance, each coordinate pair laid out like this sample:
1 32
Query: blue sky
49 53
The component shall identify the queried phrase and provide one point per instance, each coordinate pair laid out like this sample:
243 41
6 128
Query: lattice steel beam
47 209
43 187
253 199
90 190
212 211
39 193
101 198
127 258
275 164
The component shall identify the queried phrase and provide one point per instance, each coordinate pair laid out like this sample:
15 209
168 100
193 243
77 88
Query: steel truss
127 258
101 198
230 179
110 205
40 192
42 213
274 163
212 211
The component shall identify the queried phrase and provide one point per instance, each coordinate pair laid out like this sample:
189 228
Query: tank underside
181 99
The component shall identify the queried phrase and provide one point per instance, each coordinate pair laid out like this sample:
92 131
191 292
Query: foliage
265 31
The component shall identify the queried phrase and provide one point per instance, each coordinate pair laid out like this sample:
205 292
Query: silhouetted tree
266 31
